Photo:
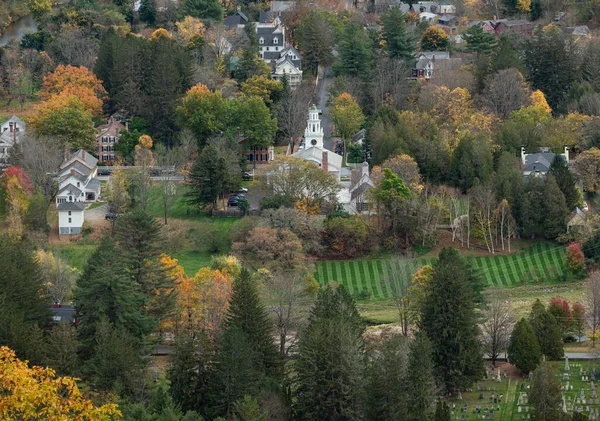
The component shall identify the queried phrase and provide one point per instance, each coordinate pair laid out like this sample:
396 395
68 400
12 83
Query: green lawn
540 263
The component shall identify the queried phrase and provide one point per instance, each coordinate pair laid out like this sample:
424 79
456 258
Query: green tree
398 42
472 160
420 380
148 11
387 380
547 331
329 366
61 352
442 412
347 116
548 47
480 41
255 121
207 178
247 409
545 395
39 8
556 211
316 38
202 111
247 314
524 349
566 181
250 63
449 321
434 39
531 219
355 52
203 9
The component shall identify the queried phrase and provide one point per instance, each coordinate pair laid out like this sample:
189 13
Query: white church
313 150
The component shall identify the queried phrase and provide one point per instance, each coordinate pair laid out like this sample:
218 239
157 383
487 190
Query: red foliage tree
22 177
574 259
561 310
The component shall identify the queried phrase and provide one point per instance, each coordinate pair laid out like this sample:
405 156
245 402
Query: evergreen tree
247 409
545 395
61 352
565 180
207 178
449 321
472 160
442 412
105 64
547 331
316 38
189 373
398 42
249 64
387 380
420 380
105 291
531 219
203 9
480 41
329 366
355 52
555 209
247 314
148 11
524 349
137 234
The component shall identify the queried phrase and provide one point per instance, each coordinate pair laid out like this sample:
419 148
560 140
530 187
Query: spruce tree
555 209
398 42
330 366
355 52
387 380
420 381
524 349
148 11
565 180
247 314
449 321
207 178
547 331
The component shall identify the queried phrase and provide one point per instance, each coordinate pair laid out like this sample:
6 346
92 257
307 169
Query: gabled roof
78 167
287 52
70 187
85 157
284 60
238 18
268 34
106 127
334 161
538 162
70 206
93 185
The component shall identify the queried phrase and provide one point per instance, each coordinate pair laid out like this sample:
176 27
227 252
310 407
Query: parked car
103 172
238 195
111 216
233 201
246 176
242 190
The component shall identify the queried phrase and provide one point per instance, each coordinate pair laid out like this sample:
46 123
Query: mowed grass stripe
354 280
376 287
353 271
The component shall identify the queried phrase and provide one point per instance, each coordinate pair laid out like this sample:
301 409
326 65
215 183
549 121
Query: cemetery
502 395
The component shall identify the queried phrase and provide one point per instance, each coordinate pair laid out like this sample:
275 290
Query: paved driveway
96 216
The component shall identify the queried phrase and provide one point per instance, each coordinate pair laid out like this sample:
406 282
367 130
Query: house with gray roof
284 59
236 20
538 164
12 132
427 61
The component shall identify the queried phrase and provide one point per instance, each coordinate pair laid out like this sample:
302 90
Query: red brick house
107 137
261 155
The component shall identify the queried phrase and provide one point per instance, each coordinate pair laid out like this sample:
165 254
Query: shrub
348 237
575 259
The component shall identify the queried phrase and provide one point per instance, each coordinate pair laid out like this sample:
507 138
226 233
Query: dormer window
275 40
261 40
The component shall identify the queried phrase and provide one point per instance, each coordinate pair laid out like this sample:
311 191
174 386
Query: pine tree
420 380
532 215
137 234
547 331
556 211
480 41
247 409
355 52
61 352
148 11
387 381
449 321
105 291
565 180
247 314
207 178
329 366
203 9
524 349
398 42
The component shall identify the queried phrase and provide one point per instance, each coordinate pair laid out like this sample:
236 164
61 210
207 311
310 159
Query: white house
313 150
78 184
11 133
356 198
273 49
427 61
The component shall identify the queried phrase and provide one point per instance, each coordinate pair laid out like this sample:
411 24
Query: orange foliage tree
77 81
36 393
16 191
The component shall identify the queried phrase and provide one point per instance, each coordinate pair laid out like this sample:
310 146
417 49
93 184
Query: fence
234 213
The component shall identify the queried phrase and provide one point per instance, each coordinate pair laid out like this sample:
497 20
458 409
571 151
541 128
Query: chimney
567 154
325 164
494 18
83 155
433 58
523 155
72 171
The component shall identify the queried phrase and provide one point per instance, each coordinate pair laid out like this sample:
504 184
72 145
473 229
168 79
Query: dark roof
70 206
268 34
72 188
63 314
77 165
292 51
238 18
270 55
267 17
538 162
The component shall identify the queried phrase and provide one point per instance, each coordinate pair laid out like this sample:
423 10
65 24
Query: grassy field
540 263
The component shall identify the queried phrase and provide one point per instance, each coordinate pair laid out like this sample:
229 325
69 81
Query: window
69 220
249 157
263 157
275 40
69 213
112 157
78 184
70 198
261 40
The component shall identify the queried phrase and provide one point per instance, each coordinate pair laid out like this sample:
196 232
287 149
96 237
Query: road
324 85
571 355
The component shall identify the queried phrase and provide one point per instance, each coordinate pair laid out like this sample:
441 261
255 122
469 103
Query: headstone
582 394
566 377
567 363
481 394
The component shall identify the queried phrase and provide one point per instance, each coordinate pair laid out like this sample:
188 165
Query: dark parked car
111 216
104 172
232 201
238 195
246 176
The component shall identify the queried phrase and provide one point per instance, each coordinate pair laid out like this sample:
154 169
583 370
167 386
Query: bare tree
484 204
390 79
59 278
505 92
397 281
189 143
39 158
592 301
505 223
496 328
73 46
292 112
170 162
458 213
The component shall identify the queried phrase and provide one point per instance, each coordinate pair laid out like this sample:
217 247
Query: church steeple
313 135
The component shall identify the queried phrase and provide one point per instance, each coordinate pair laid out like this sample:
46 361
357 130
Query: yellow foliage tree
524 6
538 100
160 33
189 29
261 87
36 393
419 289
